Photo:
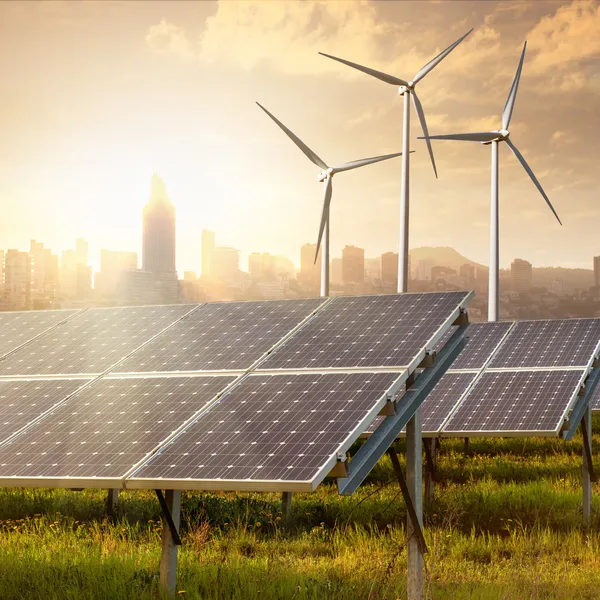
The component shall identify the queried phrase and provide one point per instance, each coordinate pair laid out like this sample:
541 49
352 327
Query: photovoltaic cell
91 341
16 328
559 343
108 427
481 339
367 331
272 428
520 401
21 402
219 336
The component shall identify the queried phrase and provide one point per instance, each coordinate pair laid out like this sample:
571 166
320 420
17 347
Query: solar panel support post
430 446
286 505
170 504
414 480
588 469
112 500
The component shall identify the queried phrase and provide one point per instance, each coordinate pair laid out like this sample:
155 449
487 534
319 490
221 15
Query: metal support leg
414 481
430 446
588 469
466 445
112 500
286 505
171 507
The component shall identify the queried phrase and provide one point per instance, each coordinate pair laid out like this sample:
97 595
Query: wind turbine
493 138
326 176
406 89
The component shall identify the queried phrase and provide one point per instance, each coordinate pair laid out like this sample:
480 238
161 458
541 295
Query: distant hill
442 256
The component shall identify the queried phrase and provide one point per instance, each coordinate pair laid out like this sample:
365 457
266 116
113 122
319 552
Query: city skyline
87 128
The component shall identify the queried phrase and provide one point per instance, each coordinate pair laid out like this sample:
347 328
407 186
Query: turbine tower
406 89
326 176
493 138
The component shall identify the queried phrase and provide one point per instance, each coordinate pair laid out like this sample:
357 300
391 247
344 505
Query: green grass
505 524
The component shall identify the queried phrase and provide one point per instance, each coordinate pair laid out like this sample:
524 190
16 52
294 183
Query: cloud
561 137
167 38
569 36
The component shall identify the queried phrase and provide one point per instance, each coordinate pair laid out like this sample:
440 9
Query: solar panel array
173 392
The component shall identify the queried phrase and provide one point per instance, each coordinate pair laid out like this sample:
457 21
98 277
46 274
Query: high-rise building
597 271
158 235
310 272
424 269
208 245
109 281
372 270
467 272
82 249
17 280
225 263
353 266
68 274
389 270
38 272
522 274
262 266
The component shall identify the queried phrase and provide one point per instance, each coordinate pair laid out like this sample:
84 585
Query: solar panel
224 335
17 328
107 428
523 402
271 431
368 331
481 340
559 343
21 401
595 399
91 341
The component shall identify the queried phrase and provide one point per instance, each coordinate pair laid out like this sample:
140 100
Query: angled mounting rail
168 518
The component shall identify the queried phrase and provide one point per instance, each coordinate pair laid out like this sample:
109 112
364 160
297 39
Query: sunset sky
95 96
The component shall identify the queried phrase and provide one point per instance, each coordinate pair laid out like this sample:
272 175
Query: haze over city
98 96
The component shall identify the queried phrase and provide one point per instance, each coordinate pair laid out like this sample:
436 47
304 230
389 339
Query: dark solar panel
224 335
23 401
107 428
92 341
16 328
559 343
272 428
520 401
481 339
595 400
367 331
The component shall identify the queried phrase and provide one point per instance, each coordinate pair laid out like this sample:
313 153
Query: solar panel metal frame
252 367
105 482
258 485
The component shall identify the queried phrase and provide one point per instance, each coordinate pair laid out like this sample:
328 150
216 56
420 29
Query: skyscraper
208 245
389 270
522 274
158 237
353 266
17 280
597 271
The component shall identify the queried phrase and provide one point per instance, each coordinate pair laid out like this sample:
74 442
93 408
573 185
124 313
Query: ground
505 524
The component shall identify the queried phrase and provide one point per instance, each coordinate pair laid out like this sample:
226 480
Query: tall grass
505 524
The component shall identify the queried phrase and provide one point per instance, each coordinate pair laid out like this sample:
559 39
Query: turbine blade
438 59
481 136
423 122
325 213
305 149
377 74
512 95
364 161
533 177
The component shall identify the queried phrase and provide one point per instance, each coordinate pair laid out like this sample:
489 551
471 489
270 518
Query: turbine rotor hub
403 89
504 133
323 175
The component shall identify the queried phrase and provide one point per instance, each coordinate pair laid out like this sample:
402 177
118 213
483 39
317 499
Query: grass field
505 524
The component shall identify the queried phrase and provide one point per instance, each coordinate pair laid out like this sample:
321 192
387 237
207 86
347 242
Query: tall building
353 266
208 245
597 271
17 280
225 263
372 270
310 272
522 274
82 250
467 272
389 270
158 235
110 280
262 266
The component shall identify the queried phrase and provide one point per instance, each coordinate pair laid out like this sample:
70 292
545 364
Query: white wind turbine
493 138
326 176
406 89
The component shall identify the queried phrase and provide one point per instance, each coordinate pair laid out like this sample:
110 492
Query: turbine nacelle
503 135
403 89
326 173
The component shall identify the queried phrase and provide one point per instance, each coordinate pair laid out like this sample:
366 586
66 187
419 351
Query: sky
96 96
